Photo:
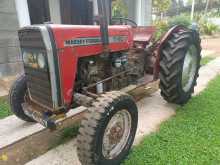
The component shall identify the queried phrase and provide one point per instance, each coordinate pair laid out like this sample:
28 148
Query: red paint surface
68 56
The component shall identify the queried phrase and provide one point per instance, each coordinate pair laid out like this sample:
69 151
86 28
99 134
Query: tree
206 7
161 6
119 8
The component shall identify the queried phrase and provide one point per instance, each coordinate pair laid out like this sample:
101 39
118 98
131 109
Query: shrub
180 20
119 9
207 27
162 27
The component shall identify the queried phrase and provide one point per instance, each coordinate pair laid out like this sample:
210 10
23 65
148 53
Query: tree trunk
207 6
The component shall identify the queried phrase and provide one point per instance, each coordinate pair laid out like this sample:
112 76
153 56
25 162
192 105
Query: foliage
4 107
119 9
206 60
161 6
207 27
191 137
162 27
66 135
214 13
180 20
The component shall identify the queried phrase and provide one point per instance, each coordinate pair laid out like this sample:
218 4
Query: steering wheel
123 21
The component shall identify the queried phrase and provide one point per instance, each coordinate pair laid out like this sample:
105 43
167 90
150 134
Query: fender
161 44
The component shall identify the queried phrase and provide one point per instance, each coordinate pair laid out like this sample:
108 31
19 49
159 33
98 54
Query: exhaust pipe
104 19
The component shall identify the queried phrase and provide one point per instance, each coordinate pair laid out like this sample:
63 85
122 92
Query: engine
110 73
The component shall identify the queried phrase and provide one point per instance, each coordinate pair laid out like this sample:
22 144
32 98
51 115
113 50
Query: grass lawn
4 107
206 60
192 137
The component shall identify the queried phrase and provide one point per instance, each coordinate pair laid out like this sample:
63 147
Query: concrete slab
207 73
12 129
211 44
152 112
23 142
3 92
206 53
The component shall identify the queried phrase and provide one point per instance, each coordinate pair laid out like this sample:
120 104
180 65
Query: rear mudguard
161 44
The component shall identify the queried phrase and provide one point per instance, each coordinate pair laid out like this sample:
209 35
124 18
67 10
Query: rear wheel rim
116 134
189 68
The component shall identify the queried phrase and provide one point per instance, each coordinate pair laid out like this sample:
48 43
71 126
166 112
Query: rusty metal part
49 119
143 90
41 117
83 99
116 134
85 89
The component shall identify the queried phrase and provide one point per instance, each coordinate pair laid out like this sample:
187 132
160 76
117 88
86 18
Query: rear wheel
179 66
17 95
108 130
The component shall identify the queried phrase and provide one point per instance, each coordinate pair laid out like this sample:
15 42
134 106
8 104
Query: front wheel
17 97
179 66
108 130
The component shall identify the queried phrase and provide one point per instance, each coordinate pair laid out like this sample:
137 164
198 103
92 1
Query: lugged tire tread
85 143
170 68
16 90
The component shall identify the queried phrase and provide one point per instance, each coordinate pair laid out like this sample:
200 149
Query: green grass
4 107
66 135
206 60
191 137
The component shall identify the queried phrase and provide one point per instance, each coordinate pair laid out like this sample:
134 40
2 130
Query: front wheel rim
116 134
189 68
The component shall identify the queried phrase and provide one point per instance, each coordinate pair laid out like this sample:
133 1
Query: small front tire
108 130
16 98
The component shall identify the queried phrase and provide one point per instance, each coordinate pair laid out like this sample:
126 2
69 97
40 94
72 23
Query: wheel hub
189 68
116 134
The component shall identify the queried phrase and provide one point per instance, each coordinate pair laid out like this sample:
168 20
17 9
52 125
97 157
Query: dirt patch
212 44
5 84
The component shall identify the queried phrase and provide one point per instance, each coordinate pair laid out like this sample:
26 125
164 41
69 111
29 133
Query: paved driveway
212 44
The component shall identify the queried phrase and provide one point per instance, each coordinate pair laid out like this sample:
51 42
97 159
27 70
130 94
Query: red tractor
100 67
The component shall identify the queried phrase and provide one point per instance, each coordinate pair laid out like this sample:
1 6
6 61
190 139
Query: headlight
27 57
41 61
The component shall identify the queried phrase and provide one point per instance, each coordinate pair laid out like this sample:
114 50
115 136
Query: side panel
68 55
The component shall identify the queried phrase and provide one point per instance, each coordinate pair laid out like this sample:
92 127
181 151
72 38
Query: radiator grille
38 80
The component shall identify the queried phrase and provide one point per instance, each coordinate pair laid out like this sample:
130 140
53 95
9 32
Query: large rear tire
108 130
179 66
16 97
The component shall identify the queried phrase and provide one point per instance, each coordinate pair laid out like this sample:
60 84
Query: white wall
22 12
140 11
144 12
131 4
95 7
55 13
